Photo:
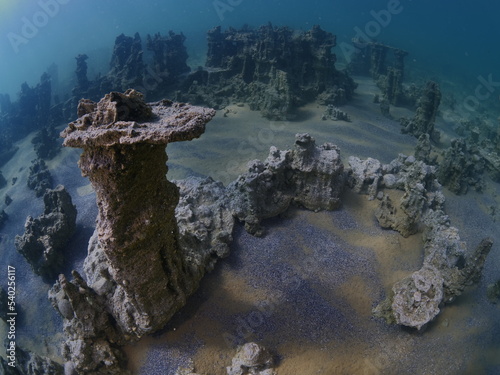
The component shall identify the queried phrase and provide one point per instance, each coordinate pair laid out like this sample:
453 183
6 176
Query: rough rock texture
425 116
45 237
364 175
155 75
272 69
251 359
448 266
333 113
135 264
461 168
46 143
93 340
39 178
169 58
205 223
127 67
309 176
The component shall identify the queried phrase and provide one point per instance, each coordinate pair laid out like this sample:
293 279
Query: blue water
456 39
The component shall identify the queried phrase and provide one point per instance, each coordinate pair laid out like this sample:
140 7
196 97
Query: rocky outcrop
333 113
155 75
127 66
425 116
45 237
29 113
205 223
93 340
385 64
309 176
169 58
46 143
448 267
461 168
135 263
39 178
252 359
272 69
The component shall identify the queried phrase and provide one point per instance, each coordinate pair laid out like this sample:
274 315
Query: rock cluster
251 359
333 113
129 68
39 178
462 167
375 59
273 69
425 116
46 143
310 176
447 267
93 340
45 236
30 112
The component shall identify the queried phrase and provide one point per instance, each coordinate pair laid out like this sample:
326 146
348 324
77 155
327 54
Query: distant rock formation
39 178
447 267
425 116
46 143
374 59
129 69
273 69
45 236
252 359
31 112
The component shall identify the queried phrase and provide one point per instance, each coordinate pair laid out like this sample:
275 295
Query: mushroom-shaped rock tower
134 259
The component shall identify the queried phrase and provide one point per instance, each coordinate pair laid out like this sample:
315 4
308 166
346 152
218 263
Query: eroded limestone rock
251 359
93 340
310 176
45 236
448 266
272 69
425 116
39 178
135 264
462 167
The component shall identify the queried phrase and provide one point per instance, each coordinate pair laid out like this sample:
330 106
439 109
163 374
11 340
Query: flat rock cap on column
124 118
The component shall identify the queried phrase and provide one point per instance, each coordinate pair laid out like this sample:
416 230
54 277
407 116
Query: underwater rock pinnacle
144 275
